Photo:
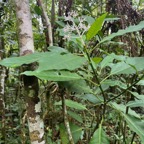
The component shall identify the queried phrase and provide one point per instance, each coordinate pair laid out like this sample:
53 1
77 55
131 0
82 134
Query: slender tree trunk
53 19
46 23
2 102
2 81
31 88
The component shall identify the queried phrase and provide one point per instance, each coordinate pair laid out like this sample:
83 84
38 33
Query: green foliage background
101 80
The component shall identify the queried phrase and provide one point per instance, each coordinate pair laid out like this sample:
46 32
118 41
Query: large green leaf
99 137
78 86
122 109
141 82
136 103
93 99
54 75
73 104
63 134
129 29
136 62
58 61
122 68
18 61
76 116
108 59
140 97
89 19
47 61
57 49
95 27
75 130
130 65
132 118
136 125
112 83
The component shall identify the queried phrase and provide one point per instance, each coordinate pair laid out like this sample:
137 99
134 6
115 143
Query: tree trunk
31 88
46 23
2 80
2 102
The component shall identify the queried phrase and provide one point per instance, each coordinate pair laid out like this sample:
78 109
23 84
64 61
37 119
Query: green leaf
75 105
75 130
97 59
63 134
38 10
130 66
133 119
60 23
112 83
18 61
57 49
93 99
99 137
122 68
89 19
72 104
141 82
136 62
140 97
54 75
122 109
59 62
47 61
136 125
137 103
95 27
129 29
108 59
75 116
78 86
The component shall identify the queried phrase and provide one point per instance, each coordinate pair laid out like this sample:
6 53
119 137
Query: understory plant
88 97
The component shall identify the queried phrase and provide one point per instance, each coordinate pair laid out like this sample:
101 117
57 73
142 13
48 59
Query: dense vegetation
90 77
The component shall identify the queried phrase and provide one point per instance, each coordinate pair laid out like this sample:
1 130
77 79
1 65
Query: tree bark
2 102
31 88
46 23
2 80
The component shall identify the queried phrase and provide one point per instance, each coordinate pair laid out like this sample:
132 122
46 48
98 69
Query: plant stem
66 122
95 74
99 84
133 138
125 125
126 89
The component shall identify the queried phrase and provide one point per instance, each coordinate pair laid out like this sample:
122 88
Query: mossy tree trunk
2 102
31 88
2 79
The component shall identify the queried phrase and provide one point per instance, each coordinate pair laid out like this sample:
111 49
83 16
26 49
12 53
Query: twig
66 122
23 128
126 89
125 125
134 134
